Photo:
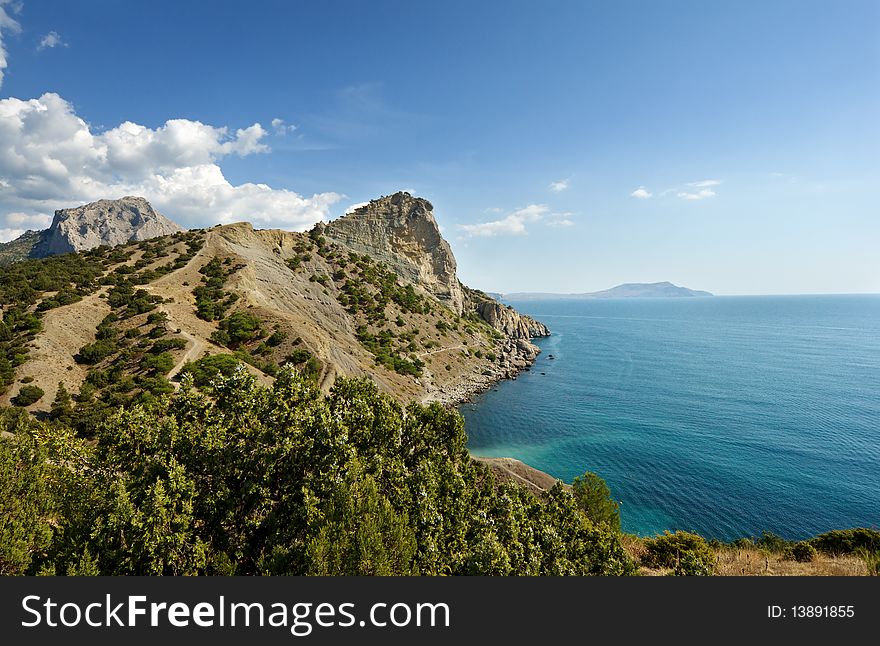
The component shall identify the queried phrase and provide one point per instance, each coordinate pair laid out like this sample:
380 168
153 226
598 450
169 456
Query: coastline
517 356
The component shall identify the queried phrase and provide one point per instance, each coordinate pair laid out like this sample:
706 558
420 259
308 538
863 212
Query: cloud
281 128
8 24
560 220
706 183
705 191
512 224
355 207
7 234
641 193
702 194
50 40
30 220
50 158
692 191
559 185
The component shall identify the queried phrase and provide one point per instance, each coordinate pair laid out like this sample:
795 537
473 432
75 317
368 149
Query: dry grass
755 562
733 561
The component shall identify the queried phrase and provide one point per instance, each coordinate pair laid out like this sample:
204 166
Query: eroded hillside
199 302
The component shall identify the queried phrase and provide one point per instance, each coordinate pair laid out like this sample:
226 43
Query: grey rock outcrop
400 230
508 321
105 222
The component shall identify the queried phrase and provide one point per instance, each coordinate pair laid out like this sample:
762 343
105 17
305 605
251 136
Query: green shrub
26 501
239 328
156 385
298 356
208 368
95 352
802 552
594 498
847 541
685 553
276 338
172 343
27 395
158 364
771 542
157 318
280 480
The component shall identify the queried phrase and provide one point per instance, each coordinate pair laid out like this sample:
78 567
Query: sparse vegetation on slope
848 552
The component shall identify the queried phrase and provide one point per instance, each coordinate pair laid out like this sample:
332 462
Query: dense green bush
96 352
28 395
158 364
212 301
203 371
26 502
238 328
306 363
771 542
594 498
802 552
280 480
847 541
276 338
62 406
171 343
685 553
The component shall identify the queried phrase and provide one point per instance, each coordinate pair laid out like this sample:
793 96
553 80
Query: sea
727 416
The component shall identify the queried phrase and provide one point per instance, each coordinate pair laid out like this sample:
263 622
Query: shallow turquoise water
726 416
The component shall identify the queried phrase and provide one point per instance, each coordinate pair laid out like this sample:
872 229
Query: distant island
664 289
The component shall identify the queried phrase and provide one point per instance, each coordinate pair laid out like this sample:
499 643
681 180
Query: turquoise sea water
726 416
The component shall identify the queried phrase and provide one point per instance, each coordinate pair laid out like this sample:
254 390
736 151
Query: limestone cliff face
507 320
400 230
106 222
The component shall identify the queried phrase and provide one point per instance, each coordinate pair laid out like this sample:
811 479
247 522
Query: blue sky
566 146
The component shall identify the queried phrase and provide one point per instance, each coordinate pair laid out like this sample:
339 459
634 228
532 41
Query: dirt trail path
460 346
194 352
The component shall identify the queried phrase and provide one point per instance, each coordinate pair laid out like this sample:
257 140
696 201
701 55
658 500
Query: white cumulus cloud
641 193
281 128
702 194
559 185
512 224
50 40
50 158
8 24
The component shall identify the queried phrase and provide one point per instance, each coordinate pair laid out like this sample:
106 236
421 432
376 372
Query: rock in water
105 222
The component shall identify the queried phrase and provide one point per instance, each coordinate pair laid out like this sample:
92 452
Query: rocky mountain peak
105 222
400 230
